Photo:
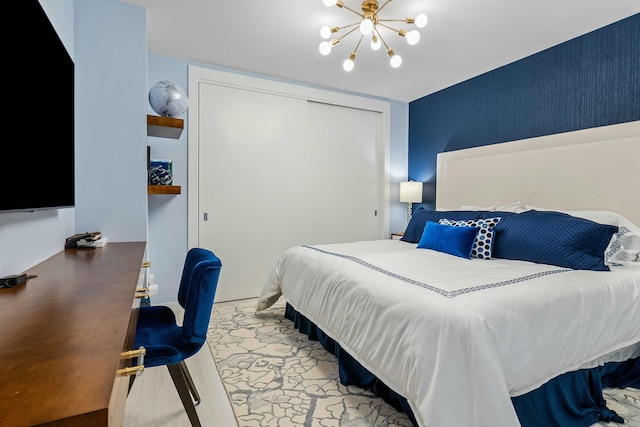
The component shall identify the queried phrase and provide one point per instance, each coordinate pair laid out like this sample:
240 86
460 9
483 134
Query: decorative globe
168 99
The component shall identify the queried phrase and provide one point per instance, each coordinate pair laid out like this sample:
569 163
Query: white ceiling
278 38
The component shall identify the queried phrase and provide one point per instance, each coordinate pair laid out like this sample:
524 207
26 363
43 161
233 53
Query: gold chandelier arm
381 39
406 21
337 40
383 5
342 5
355 25
357 46
391 28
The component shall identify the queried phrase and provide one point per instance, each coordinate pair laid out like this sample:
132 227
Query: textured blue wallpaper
590 81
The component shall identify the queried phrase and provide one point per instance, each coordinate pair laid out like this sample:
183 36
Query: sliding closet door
344 189
277 171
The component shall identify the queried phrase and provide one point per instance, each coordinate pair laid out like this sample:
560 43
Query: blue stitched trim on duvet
448 294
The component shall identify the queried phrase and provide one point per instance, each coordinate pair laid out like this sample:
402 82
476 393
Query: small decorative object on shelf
160 172
168 99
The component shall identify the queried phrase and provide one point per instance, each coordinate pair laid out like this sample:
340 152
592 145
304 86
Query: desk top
62 333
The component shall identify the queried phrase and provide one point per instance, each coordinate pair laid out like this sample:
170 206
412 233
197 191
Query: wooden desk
61 335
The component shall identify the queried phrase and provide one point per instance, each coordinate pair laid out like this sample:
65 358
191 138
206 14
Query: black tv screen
37 151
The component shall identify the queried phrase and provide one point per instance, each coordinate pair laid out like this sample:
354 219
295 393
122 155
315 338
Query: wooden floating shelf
164 127
163 189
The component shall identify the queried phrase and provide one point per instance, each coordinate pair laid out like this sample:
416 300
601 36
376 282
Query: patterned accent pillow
624 248
483 243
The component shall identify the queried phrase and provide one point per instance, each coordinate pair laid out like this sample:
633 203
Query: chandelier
369 26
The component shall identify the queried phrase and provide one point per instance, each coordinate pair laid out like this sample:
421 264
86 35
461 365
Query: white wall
399 165
111 130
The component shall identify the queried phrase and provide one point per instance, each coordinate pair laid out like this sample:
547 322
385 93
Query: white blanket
459 337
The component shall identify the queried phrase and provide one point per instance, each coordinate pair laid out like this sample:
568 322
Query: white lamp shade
411 191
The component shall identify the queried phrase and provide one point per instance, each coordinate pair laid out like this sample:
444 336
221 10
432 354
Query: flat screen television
37 151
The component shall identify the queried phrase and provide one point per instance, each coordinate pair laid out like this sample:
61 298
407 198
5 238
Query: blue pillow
449 239
554 238
413 232
483 244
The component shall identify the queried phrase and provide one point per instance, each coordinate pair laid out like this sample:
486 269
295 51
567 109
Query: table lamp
410 192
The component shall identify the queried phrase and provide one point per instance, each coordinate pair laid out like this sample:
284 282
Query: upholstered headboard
590 169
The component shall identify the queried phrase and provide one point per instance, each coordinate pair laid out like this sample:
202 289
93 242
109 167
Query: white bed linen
438 330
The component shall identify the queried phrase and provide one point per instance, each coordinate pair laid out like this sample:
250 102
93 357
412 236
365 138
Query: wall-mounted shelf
163 189
164 127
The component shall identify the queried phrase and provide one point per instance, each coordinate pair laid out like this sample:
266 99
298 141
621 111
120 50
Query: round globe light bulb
375 44
421 20
395 61
325 32
413 37
330 3
348 64
366 26
325 48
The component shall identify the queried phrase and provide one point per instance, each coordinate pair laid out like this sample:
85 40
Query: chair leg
179 380
131 380
190 383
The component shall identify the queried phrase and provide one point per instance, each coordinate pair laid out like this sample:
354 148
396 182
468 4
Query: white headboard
590 169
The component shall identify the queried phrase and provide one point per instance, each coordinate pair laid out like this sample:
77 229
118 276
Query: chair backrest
194 256
197 292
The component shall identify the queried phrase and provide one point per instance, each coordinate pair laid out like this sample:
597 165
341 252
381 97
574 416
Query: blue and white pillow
624 248
483 243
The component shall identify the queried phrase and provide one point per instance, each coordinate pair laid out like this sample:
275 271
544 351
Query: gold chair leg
190 383
180 381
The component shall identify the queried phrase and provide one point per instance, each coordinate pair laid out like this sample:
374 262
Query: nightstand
396 236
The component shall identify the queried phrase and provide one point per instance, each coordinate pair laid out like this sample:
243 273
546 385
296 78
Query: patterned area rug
275 376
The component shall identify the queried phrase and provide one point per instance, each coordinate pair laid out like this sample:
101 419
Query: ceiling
278 38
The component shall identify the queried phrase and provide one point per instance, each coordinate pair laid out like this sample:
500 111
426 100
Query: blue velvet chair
168 344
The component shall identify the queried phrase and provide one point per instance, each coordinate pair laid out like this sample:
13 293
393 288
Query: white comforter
458 337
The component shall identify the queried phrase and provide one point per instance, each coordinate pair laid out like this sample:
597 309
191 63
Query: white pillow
623 249
477 208
511 207
602 217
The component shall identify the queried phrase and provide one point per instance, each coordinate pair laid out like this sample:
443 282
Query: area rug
275 376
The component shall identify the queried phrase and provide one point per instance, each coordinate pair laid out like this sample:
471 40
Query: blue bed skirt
573 399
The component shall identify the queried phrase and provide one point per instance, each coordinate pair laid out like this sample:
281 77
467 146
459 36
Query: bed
508 305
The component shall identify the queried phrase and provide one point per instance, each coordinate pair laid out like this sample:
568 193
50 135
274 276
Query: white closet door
344 189
277 171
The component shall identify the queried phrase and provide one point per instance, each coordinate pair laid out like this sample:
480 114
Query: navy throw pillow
554 238
449 239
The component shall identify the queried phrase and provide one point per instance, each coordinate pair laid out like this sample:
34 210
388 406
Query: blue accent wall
590 81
